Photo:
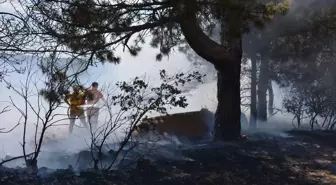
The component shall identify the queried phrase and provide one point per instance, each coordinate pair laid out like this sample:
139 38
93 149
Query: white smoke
54 152
59 150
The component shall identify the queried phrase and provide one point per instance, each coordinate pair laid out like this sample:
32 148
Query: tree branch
199 41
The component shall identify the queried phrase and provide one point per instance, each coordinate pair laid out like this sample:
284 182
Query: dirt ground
309 158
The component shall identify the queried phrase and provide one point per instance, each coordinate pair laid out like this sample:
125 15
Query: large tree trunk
262 89
227 60
253 105
227 116
270 98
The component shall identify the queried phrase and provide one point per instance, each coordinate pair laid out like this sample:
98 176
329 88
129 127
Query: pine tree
96 28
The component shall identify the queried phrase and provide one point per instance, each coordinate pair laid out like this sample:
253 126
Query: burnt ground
306 159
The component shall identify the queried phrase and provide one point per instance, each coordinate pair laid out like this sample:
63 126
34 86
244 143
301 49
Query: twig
10 130
14 158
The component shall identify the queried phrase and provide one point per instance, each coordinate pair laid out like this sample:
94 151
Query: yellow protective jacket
75 100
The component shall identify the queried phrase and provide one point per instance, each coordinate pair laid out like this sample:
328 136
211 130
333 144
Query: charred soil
308 158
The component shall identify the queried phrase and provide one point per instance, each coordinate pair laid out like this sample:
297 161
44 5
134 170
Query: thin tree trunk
330 120
31 165
270 98
312 122
262 89
332 126
324 121
253 105
298 119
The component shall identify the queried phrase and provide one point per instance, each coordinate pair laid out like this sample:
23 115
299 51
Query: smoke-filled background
199 95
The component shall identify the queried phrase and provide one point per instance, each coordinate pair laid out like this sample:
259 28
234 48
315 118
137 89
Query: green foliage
305 34
297 56
300 51
57 82
137 95
310 101
241 16
98 27
312 88
134 99
295 44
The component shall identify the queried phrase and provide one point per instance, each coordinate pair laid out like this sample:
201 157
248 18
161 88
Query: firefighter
74 100
93 97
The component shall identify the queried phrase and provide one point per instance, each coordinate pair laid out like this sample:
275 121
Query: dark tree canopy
294 43
98 27
308 52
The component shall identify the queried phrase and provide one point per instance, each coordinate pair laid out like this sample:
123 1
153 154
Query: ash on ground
296 157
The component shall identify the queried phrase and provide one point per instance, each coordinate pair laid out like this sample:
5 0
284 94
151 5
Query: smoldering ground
279 158
60 151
